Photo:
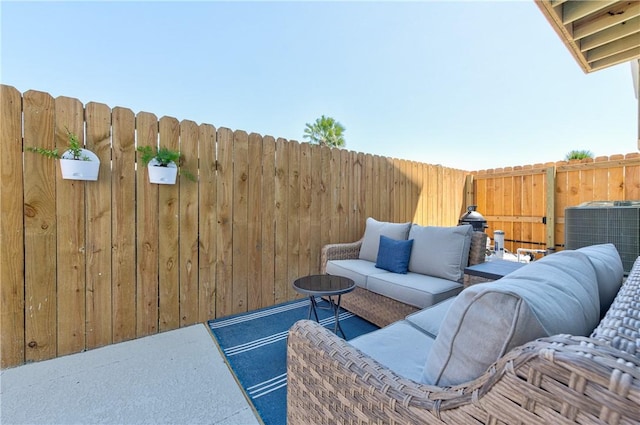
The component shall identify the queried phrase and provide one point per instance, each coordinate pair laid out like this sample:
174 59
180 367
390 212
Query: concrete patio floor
175 377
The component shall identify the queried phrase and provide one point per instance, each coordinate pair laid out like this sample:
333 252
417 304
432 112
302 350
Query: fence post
469 193
550 189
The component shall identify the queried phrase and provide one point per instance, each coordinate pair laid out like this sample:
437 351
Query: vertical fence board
281 211
376 187
344 199
255 217
490 206
527 206
99 238
208 222
268 209
325 194
539 207
224 268
573 192
306 188
601 181
40 229
360 193
616 180
147 233
168 237
368 178
394 190
411 199
440 198
316 190
71 238
334 214
12 291
390 193
188 225
561 202
517 202
424 194
240 259
586 185
123 224
632 179
416 176
507 208
293 217
355 203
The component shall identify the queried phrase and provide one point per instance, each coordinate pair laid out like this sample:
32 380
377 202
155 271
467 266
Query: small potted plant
162 164
76 163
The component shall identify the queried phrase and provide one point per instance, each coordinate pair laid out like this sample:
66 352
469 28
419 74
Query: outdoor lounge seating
552 362
432 270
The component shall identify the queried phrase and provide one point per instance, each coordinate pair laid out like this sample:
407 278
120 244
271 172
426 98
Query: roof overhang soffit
600 33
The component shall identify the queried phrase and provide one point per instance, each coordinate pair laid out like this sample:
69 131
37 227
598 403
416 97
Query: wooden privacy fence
85 264
528 203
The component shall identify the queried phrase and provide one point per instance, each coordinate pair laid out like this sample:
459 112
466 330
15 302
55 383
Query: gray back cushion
609 270
557 294
440 251
372 232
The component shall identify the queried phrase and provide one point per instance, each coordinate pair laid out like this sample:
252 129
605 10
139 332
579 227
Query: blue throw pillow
393 255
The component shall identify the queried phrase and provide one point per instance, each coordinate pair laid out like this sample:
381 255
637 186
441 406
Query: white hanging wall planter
162 175
74 169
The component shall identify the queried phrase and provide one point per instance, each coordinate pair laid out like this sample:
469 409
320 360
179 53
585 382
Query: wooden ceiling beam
610 49
618 14
574 10
616 59
614 33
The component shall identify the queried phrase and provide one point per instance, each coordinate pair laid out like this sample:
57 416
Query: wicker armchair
376 308
558 380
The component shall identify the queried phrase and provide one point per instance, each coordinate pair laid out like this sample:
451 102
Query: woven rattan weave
558 380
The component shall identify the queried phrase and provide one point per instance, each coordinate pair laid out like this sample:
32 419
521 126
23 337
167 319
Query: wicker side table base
375 308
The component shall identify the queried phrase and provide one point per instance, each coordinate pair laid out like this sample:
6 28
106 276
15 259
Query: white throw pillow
440 251
555 295
372 232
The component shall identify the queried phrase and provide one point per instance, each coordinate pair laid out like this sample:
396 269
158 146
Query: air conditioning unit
616 222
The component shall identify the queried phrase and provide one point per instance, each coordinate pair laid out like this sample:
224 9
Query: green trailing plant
74 148
164 157
578 154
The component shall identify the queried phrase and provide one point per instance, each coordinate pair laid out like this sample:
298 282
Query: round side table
324 285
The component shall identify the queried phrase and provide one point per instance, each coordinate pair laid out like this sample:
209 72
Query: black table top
493 269
323 284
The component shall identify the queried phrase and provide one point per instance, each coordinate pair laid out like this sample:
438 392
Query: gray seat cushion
429 319
414 289
356 270
399 346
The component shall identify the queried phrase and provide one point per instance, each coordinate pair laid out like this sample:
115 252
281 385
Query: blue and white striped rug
255 347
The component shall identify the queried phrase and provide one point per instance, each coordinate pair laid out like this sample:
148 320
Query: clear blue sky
470 85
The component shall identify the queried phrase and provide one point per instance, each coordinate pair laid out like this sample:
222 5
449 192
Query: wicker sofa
557 379
382 297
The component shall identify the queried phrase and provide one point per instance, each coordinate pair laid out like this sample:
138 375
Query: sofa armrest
553 380
339 251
